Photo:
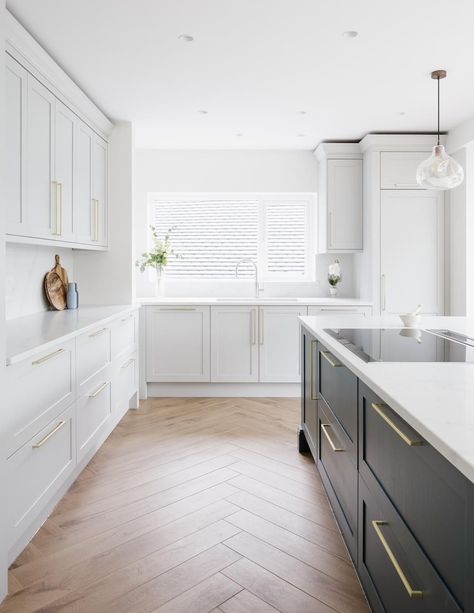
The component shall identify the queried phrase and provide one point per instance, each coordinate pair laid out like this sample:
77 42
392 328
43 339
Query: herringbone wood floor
192 505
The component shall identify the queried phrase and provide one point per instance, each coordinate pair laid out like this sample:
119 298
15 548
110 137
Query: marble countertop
31 334
435 398
273 300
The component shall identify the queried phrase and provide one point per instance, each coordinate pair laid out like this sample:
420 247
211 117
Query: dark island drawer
428 492
337 463
338 387
395 572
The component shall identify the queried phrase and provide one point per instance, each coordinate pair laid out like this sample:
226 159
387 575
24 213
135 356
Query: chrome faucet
249 261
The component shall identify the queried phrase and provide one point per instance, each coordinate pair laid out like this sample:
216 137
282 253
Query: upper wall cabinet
398 169
57 168
339 198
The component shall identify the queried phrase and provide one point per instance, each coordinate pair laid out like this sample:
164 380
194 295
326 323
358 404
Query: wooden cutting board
55 286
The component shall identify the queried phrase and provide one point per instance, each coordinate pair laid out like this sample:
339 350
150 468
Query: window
213 232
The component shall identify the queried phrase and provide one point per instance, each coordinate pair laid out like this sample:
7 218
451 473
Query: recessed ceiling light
203 112
301 135
302 112
239 134
186 38
350 34
402 113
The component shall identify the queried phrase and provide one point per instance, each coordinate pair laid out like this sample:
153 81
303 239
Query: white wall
226 171
108 277
26 266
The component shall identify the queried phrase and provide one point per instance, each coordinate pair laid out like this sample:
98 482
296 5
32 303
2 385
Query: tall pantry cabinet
403 226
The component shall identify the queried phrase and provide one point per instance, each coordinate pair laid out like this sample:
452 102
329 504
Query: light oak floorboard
244 602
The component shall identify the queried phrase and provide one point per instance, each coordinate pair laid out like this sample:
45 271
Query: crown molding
21 45
338 150
399 142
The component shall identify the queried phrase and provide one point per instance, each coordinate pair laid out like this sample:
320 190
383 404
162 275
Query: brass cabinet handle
383 293
126 318
47 357
98 332
59 208
128 362
101 388
403 578
377 406
329 357
260 326
177 308
97 220
57 212
329 310
253 327
324 428
311 365
48 436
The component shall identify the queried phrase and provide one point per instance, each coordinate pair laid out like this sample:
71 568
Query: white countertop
31 334
273 300
435 398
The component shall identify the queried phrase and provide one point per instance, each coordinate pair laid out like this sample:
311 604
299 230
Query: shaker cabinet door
63 186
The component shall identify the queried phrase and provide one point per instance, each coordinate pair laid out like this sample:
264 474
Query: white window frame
263 198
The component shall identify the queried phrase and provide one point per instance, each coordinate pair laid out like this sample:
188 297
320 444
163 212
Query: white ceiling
254 64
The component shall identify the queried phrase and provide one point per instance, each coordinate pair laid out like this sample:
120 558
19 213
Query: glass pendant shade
439 171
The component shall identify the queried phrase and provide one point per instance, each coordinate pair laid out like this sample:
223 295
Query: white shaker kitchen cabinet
64 160
42 213
279 343
16 87
412 251
99 191
84 208
178 344
398 169
339 198
234 344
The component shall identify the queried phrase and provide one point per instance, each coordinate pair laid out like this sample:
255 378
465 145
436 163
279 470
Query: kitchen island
394 444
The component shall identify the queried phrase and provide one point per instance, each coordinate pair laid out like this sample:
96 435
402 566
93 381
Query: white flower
335 269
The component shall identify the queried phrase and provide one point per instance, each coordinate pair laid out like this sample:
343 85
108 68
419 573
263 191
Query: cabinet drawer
338 387
93 354
93 411
37 470
363 311
124 333
337 463
37 390
124 384
394 570
398 169
427 491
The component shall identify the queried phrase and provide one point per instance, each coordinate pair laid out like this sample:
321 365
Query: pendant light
439 171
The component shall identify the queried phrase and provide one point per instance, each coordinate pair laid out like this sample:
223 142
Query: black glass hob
405 344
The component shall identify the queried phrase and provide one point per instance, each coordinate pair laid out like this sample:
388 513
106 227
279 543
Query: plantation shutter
286 239
210 235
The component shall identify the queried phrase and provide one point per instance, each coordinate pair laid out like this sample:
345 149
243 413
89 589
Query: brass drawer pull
329 357
378 406
98 390
128 363
311 363
47 357
411 592
324 428
48 436
127 318
98 333
177 309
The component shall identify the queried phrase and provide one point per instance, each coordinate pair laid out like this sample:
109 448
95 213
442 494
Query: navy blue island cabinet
406 514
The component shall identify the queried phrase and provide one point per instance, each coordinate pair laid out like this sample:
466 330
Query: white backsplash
26 266
232 287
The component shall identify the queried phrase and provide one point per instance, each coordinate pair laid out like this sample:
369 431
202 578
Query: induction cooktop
405 344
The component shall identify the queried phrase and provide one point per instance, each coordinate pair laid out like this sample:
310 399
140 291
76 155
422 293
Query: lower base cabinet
395 572
37 470
405 512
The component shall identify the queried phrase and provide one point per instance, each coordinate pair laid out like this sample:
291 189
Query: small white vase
333 290
159 282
